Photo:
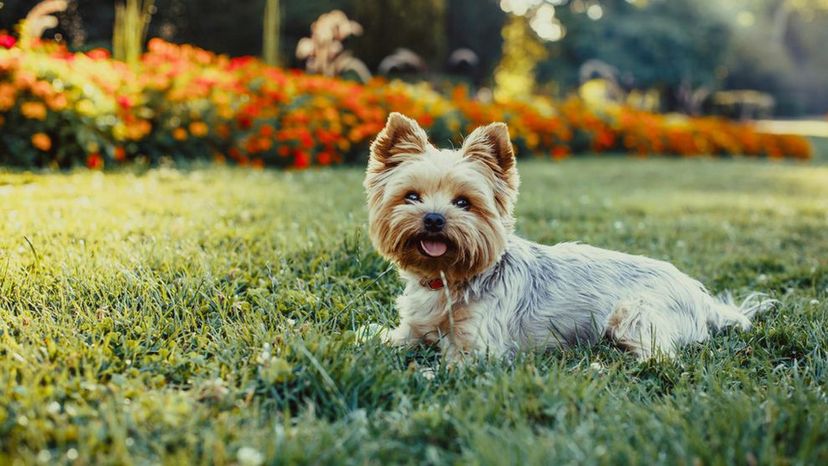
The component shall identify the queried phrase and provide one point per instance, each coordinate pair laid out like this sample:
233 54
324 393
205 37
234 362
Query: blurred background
740 58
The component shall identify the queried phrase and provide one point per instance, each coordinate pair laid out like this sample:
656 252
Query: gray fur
538 297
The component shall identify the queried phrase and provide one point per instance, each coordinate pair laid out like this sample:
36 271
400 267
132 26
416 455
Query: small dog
444 217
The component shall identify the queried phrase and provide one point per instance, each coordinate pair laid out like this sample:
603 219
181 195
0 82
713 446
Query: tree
515 75
650 45
391 24
270 31
476 25
778 47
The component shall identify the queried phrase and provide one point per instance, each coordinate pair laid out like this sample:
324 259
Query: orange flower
179 134
265 144
243 108
199 129
42 141
266 131
57 102
33 110
560 152
7 96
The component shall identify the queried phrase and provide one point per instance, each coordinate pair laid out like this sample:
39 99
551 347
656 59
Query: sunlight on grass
811 128
185 316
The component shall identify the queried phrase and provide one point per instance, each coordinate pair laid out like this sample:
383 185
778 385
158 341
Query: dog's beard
408 179
464 249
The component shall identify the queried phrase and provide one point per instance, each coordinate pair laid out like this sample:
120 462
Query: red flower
560 152
124 102
306 139
239 62
324 158
98 54
426 120
7 41
245 121
94 161
301 160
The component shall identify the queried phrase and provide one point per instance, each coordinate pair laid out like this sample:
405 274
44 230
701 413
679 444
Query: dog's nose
434 223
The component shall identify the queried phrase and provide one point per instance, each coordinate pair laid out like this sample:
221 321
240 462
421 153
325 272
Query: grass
208 316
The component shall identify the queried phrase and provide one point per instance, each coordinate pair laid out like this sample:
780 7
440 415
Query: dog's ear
491 145
401 136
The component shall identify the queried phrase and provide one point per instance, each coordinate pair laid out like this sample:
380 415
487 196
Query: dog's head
434 210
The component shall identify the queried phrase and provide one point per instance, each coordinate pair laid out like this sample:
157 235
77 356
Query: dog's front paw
399 336
455 357
367 332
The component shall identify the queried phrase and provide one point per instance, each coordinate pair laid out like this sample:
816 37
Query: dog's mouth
432 246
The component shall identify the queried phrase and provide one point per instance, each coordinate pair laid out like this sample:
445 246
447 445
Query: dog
445 219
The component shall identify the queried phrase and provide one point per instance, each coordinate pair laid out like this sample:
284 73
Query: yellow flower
33 110
225 112
42 141
119 131
86 107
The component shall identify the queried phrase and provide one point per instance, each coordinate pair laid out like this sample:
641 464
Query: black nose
434 223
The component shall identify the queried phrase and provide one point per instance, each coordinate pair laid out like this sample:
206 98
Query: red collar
434 285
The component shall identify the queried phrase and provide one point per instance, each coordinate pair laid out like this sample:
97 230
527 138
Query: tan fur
483 171
502 293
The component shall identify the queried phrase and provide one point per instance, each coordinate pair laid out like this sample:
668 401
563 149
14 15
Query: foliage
129 33
779 48
208 316
187 103
689 44
515 74
392 24
271 29
735 44
476 25
649 47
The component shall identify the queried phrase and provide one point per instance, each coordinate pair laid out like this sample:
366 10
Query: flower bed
61 109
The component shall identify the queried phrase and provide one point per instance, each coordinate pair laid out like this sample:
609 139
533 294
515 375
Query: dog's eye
462 203
412 197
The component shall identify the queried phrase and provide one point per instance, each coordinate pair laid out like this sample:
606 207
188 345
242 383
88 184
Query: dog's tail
725 312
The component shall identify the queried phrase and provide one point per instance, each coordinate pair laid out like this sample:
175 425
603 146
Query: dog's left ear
491 145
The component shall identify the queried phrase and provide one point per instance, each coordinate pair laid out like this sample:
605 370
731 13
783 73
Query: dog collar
436 284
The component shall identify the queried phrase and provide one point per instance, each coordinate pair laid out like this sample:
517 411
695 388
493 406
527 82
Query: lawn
207 315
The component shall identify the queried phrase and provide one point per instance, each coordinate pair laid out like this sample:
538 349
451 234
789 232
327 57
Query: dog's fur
502 293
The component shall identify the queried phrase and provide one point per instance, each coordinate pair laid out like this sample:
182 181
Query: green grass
135 310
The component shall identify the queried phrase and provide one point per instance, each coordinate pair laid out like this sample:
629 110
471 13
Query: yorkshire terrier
445 218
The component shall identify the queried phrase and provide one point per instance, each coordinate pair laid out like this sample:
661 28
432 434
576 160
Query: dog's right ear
401 137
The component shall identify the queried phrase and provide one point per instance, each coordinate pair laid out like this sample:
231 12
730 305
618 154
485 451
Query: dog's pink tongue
434 248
